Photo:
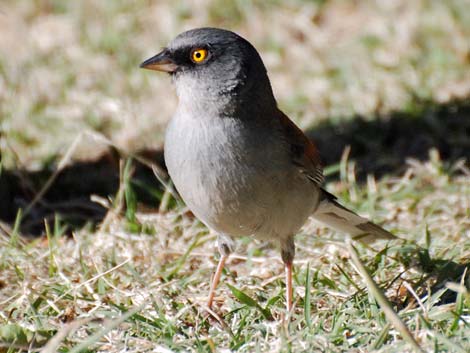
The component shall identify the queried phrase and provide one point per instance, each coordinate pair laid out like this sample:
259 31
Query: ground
95 255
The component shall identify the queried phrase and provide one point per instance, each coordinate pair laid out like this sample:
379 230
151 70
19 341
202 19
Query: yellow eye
198 55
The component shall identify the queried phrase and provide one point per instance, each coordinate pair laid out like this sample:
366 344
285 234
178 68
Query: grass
138 280
137 291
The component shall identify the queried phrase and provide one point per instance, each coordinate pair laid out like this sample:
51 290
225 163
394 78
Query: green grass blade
247 300
110 325
307 300
374 289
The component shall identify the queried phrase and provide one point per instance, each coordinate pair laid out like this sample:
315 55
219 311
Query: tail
338 217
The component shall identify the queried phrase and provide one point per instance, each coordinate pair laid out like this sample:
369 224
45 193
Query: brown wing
304 152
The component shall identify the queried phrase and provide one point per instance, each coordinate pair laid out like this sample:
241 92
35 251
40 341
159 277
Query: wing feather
304 152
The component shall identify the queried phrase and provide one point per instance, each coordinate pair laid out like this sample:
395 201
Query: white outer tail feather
336 216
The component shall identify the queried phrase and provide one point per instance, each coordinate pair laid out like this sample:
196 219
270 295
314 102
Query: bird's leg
288 269
287 254
216 279
225 244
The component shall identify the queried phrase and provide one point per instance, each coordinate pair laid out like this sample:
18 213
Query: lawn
96 255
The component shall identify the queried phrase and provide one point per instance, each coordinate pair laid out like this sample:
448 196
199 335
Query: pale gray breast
231 174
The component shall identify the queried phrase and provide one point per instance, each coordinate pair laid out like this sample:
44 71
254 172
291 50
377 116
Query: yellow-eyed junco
240 164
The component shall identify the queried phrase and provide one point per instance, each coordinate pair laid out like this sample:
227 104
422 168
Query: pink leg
288 269
216 279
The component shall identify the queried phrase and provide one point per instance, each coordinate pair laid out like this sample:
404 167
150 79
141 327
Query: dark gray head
210 64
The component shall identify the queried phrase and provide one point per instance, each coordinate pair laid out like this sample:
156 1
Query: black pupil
198 55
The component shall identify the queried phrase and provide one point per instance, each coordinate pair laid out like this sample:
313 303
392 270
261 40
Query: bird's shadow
383 144
379 146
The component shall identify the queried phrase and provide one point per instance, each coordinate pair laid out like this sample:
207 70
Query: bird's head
212 63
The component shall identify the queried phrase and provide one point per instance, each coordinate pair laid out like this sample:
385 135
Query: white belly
237 186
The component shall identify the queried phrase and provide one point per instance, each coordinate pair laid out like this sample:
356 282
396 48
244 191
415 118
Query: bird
238 162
